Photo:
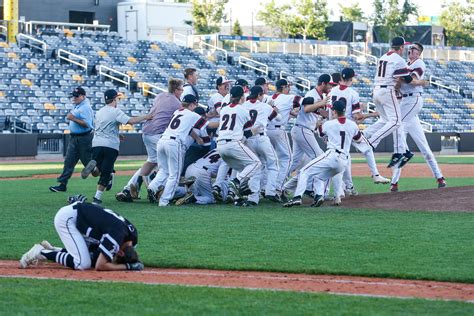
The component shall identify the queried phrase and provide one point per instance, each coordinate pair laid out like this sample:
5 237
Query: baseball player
191 77
340 133
390 70
302 134
233 119
411 104
239 82
345 93
215 101
171 149
264 83
203 170
260 144
80 224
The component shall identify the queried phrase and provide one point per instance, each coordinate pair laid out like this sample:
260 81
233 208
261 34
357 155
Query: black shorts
105 158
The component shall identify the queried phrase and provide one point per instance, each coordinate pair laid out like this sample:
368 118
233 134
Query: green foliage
207 15
388 14
237 29
353 13
58 297
458 21
304 18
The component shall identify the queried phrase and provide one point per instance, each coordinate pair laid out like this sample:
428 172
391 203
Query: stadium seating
35 88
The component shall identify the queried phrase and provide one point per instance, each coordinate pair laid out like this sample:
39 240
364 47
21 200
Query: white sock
98 195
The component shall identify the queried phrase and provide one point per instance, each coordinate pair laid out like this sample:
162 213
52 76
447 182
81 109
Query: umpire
80 144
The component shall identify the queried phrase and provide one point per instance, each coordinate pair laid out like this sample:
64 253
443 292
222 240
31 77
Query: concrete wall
58 10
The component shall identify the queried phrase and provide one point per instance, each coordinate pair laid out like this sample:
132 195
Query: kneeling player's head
189 102
339 108
126 254
236 94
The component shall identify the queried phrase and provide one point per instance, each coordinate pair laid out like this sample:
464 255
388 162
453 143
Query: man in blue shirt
81 120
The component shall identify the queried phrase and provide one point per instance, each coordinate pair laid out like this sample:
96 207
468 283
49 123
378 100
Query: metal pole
10 12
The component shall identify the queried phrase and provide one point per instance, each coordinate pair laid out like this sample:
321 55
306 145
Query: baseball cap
255 91
110 94
339 106
325 78
336 77
78 92
347 73
398 41
236 92
241 82
282 82
189 98
200 110
221 80
261 81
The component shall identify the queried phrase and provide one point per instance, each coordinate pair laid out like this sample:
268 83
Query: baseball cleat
273 198
336 201
379 179
283 196
406 158
394 187
96 201
134 191
318 201
248 204
58 188
124 196
442 183
88 169
234 185
32 257
189 198
293 202
309 193
153 196
48 246
217 193
351 191
396 158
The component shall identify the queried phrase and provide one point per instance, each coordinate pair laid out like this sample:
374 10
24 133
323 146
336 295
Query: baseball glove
76 198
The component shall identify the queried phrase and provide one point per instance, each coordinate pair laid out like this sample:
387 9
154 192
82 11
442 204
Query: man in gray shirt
106 141
164 105
80 144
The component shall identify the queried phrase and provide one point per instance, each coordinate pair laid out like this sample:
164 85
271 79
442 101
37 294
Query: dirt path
375 287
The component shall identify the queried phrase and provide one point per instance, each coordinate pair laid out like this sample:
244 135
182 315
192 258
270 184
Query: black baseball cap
347 73
110 94
221 80
236 92
77 92
255 92
325 78
339 106
261 81
189 98
200 110
282 82
241 82
336 77
398 41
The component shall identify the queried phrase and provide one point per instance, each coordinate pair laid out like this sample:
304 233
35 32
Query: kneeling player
82 226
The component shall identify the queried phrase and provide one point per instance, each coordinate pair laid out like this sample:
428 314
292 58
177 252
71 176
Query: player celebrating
340 133
112 237
411 104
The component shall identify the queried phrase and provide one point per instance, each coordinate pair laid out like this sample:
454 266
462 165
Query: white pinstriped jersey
212 161
182 122
349 96
310 119
233 118
340 133
284 103
201 133
390 66
215 101
263 112
418 69
226 100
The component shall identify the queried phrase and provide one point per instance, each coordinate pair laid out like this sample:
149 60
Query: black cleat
124 196
58 188
96 201
293 202
273 198
406 158
396 159
318 201
442 183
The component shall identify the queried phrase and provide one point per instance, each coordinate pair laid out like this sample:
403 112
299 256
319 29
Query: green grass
417 245
49 297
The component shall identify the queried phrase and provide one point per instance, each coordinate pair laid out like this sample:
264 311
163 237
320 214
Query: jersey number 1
343 138
382 68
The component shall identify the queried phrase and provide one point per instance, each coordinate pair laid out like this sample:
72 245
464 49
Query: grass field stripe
234 287
292 279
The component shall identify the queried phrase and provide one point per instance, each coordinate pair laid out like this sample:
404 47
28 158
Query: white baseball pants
72 239
304 143
202 187
281 144
262 147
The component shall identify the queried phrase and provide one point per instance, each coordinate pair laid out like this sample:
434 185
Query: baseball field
409 252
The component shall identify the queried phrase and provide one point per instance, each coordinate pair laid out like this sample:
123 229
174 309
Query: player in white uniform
302 134
259 142
390 70
345 93
340 133
239 82
215 101
171 149
285 103
233 119
263 82
209 166
411 104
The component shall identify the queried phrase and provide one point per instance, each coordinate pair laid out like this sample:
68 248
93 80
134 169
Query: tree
352 13
275 17
207 15
393 18
237 29
458 21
